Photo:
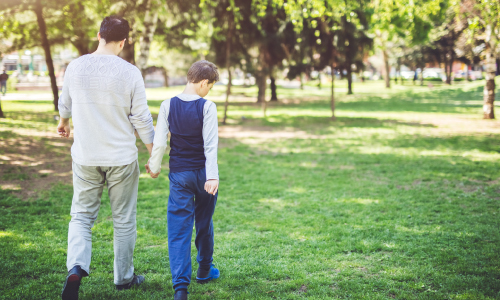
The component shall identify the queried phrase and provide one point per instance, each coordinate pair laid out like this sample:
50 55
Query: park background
358 152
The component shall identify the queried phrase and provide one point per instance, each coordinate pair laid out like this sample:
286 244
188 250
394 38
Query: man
106 98
3 82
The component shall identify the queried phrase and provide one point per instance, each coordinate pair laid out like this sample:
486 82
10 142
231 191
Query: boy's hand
148 170
211 186
63 128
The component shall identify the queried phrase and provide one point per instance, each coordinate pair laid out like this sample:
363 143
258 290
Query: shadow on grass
300 121
442 101
387 223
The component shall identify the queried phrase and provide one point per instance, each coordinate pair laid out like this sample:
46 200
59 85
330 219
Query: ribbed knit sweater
106 98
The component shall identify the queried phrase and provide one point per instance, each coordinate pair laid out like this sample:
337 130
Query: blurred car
473 75
434 73
408 75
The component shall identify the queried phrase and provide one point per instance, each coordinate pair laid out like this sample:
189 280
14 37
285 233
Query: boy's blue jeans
189 203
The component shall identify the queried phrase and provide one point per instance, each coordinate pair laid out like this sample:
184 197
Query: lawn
396 199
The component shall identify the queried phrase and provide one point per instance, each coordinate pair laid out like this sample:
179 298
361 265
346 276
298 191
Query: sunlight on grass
362 201
5 234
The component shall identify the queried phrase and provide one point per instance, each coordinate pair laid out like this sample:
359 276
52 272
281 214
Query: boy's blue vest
185 120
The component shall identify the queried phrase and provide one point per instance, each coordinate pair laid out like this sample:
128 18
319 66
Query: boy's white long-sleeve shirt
210 136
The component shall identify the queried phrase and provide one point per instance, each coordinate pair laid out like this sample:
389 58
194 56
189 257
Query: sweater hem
106 163
179 170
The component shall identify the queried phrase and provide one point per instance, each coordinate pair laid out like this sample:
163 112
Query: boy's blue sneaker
204 276
72 284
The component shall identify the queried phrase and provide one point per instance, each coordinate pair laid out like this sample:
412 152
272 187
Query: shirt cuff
212 176
65 114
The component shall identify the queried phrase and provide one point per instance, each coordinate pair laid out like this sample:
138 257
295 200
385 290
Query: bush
459 79
11 84
433 79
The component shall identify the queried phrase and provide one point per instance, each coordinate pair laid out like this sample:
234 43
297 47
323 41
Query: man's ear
99 36
122 43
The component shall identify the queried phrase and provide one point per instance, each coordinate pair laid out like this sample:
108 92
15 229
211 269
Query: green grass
397 199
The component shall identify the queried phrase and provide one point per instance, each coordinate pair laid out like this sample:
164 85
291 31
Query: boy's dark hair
202 70
114 29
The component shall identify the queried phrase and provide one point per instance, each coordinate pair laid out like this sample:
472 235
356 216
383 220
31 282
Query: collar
188 97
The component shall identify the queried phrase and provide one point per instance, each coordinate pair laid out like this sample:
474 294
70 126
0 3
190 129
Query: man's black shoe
181 294
138 279
72 284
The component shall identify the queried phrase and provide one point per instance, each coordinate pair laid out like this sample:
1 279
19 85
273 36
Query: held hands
211 186
148 170
63 128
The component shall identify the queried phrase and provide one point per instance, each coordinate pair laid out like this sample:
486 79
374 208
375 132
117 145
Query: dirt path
33 161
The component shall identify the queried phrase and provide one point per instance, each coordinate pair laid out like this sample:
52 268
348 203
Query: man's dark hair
114 29
202 70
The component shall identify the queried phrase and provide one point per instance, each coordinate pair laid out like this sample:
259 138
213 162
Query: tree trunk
228 92
81 41
46 48
165 75
261 76
467 76
349 79
422 75
449 70
150 21
128 52
387 69
489 89
274 95
448 76
228 65
261 80
398 71
1 111
332 96
301 81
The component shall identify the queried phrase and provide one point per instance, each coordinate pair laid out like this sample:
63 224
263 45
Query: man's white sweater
106 98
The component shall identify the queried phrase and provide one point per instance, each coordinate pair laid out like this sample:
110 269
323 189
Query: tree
38 8
150 21
32 31
353 44
483 17
403 23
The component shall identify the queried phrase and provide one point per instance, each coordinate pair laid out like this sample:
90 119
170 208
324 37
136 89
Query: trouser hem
86 270
182 286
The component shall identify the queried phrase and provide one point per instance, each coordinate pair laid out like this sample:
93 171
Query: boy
192 122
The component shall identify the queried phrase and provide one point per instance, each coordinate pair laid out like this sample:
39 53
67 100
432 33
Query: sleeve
140 117
65 103
211 139
160 139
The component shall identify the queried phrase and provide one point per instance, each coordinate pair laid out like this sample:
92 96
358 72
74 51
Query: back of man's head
202 70
114 29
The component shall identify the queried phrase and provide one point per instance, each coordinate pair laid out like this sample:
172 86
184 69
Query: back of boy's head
202 70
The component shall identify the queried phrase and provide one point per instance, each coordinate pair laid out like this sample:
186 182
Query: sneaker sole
207 280
71 287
